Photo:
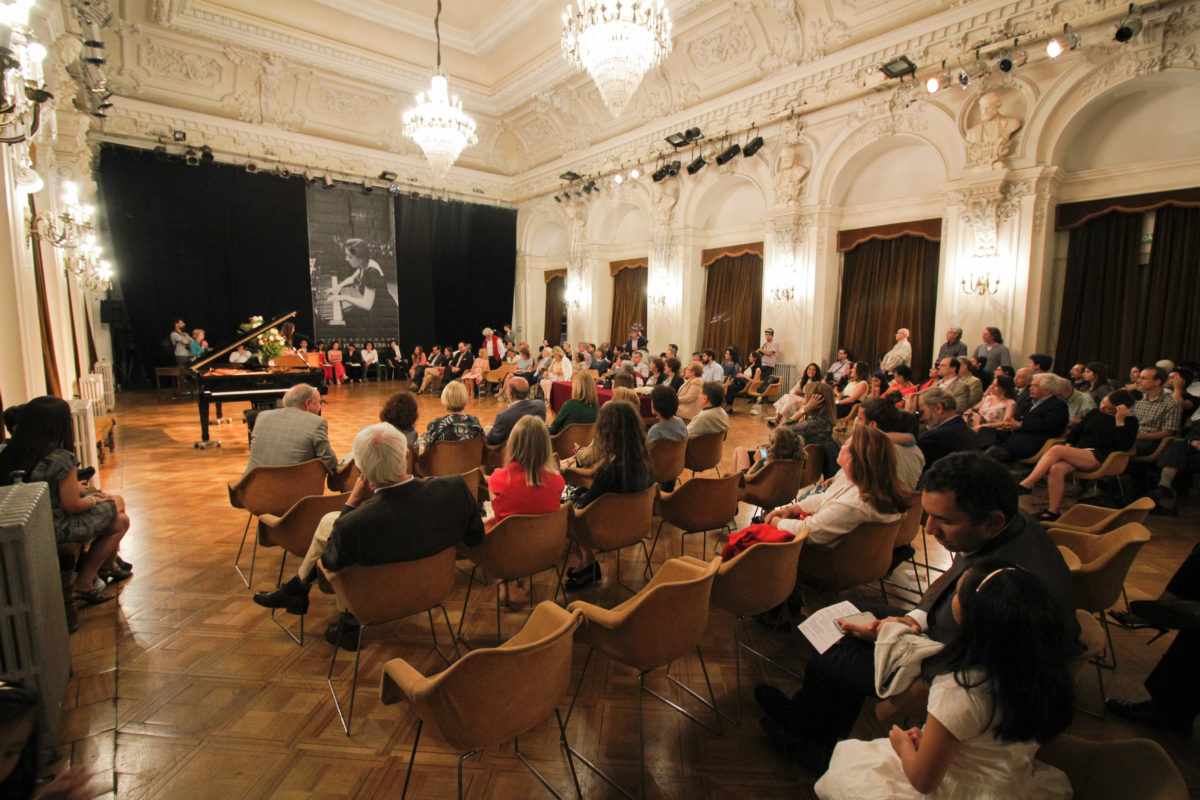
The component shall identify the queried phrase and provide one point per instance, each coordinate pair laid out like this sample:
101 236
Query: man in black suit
971 501
519 405
945 432
389 517
460 363
1046 417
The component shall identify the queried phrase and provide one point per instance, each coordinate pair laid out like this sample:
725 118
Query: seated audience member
1095 380
815 420
623 467
1107 429
1022 378
625 379
865 490
658 372
790 403
877 385
640 368
1135 373
731 365
839 370
241 355
20 751
712 367
1021 437
1001 688
526 366
389 517
473 377
1078 403
43 449
418 363
455 426
626 394
1174 694
886 418
1177 386
902 382
333 356
712 417
669 427
976 367
949 381
998 405
370 359
945 431
583 406
856 388
559 369
353 363
400 411
1006 369
292 434
973 384
901 352
434 369
783 445
971 502
1157 412
691 391
993 351
460 363
954 346
529 483
742 380
1176 458
1076 376
1040 362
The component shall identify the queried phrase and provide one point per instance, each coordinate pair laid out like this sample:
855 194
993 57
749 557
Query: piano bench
174 376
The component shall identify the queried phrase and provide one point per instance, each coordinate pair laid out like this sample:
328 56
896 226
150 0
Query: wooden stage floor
183 687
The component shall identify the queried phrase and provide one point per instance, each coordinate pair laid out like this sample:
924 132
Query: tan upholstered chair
1105 560
753 582
657 626
1036 457
496 375
910 526
699 505
613 521
273 490
1152 457
666 459
577 433
1083 518
704 452
864 555
492 695
1115 770
385 593
1113 465
775 484
767 393
476 484
344 477
519 546
294 532
579 476
493 455
450 458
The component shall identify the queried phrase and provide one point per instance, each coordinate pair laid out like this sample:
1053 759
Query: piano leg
204 443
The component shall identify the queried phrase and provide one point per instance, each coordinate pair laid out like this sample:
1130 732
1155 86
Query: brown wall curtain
629 303
888 284
1102 297
556 287
1173 306
49 360
733 304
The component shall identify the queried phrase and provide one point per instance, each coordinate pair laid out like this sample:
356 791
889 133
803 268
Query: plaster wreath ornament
267 345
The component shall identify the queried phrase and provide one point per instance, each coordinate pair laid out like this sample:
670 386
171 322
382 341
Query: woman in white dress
856 388
559 370
1002 689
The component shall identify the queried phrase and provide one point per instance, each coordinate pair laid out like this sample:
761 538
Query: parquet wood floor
183 688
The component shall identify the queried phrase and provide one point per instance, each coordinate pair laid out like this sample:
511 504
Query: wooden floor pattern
183 688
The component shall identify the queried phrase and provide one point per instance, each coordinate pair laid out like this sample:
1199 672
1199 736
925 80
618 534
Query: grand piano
219 382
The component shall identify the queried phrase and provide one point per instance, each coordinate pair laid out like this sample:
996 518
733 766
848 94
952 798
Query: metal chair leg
461 759
274 611
412 757
237 559
348 718
1111 662
711 703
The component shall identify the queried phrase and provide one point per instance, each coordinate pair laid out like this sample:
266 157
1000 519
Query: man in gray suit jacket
389 517
292 434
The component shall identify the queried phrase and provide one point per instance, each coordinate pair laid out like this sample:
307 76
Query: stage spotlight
179 136
676 140
964 80
569 176
618 179
1006 64
206 155
659 174
673 168
1129 27
251 167
692 134
393 188
728 154
752 146
557 199
898 67
696 165
160 153
283 172
1054 48
191 157
634 174
933 84
387 176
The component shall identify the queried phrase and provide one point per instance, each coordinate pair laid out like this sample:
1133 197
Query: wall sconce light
85 263
783 294
981 285
69 227
574 296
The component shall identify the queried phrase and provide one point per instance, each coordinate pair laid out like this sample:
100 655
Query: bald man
292 434
519 405
901 352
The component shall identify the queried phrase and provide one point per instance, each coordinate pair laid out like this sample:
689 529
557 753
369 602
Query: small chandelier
617 43
981 285
84 263
22 83
70 226
438 123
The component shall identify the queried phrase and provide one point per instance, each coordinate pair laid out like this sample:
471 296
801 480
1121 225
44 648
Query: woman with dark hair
790 403
784 445
997 406
815 420
334 358
419 362
365 291
1002 689
400 411
877 385
856 388
1104 430
732 363
1095 375
43 448
19 752
739 382
902 382
624 467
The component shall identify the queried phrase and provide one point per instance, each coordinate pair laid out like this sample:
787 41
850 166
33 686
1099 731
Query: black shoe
349 638
123 564
1149 714
1171 615
1023 489
114 575
773 702
805 752
583 577
286 597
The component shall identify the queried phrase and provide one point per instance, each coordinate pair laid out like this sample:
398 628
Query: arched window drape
733 303
556 288
629 302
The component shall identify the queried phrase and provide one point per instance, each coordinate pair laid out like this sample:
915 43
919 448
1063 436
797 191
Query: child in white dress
1001 690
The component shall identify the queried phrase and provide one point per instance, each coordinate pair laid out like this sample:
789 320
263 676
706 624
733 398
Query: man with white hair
1023 436
953 347
901 353
1078 403
389 517
292 434
494 346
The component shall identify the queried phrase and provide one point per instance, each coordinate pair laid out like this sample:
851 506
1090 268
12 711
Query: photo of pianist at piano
364 293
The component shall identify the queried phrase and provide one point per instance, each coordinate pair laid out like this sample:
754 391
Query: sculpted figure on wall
665 201
790 173
988 139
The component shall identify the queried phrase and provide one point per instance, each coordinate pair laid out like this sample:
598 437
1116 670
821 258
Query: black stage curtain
211 244
556 289
1102 313
733 304
888 284
629 303
464 257
1173 306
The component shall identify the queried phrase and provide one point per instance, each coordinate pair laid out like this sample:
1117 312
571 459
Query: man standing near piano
292 434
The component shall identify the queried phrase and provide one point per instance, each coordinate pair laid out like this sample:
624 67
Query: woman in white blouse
559 370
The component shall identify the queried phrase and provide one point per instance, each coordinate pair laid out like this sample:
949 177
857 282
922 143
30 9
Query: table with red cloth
560 392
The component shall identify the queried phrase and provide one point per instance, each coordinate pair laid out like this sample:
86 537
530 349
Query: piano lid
213 355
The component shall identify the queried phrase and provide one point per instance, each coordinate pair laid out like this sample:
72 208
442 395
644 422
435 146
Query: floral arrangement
268 344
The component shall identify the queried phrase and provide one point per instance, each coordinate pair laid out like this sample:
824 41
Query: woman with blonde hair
559 370
583 406
529 483
455 426
474 375
689 392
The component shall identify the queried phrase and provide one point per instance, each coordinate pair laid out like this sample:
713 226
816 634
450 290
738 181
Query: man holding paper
972 505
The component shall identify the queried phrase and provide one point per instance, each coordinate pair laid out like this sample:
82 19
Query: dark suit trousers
1173 684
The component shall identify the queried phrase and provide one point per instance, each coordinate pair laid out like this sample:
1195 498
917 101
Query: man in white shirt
712 368
901 352
640 366
240 356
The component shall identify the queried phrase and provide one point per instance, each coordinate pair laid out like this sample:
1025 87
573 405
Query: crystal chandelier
85 264
22 82
617 43
438 123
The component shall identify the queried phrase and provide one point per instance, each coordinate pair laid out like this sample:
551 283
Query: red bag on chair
753 535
